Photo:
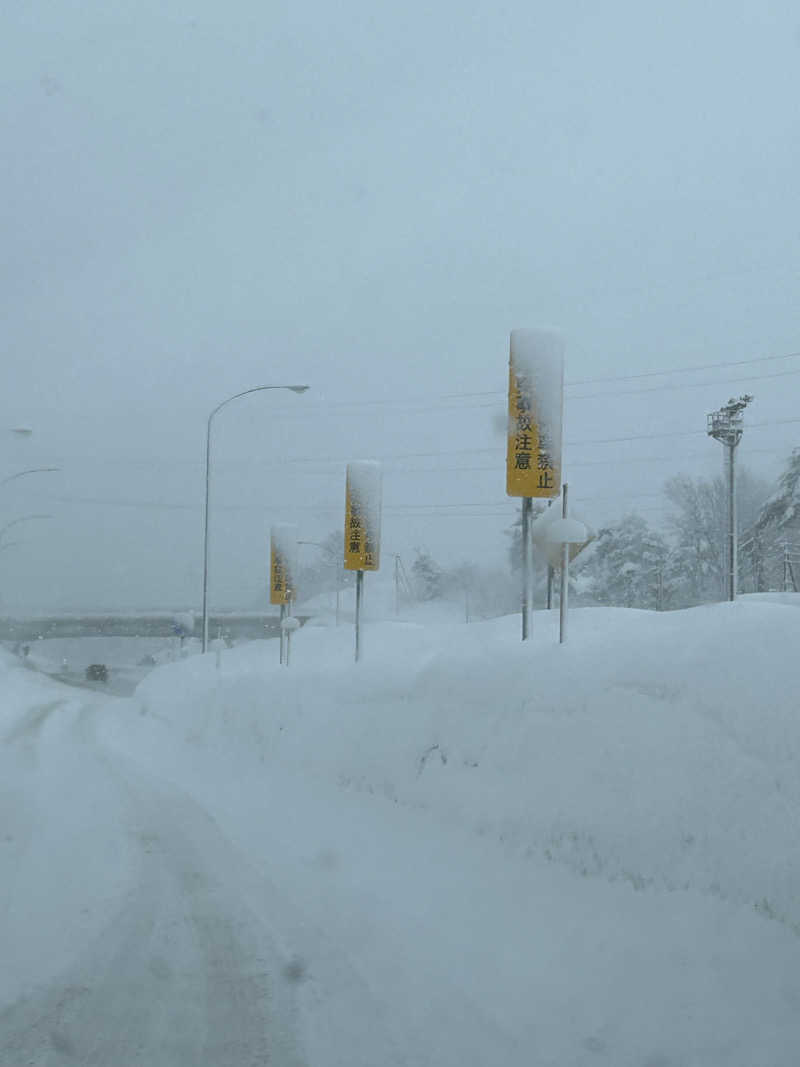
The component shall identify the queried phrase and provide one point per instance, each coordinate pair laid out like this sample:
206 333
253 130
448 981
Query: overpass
242 626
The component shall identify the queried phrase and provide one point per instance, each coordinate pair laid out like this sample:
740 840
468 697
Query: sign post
568 536
535 415
283 568
362 528
562 603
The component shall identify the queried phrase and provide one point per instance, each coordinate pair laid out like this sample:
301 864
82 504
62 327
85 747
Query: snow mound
531 853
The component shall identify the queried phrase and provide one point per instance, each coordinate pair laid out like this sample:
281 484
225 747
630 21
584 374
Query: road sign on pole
282 571
362 527
535 414
533 458
362 532
283 564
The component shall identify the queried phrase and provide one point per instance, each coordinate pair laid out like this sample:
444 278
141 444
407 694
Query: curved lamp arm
245 392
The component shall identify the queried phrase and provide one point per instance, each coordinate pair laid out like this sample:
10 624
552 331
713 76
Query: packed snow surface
461 851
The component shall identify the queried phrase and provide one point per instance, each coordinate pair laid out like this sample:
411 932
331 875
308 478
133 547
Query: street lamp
245 392
23 518
726 426
31 470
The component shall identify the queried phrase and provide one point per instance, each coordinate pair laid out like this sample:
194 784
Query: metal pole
526 565
245 392
32 470
283 616
205 535
549 576
359 586
339 569
562 620
732 553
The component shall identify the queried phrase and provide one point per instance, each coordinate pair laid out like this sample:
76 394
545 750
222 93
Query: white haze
198 199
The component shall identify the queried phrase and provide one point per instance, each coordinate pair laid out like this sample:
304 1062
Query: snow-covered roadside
123 935
57 889
514 854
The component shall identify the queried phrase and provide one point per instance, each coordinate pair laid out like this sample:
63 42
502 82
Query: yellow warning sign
362 521
281 581
533 459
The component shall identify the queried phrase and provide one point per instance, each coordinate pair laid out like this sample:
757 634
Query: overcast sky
199 198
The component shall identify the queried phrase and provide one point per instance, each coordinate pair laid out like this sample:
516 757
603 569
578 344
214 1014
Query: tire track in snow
32 722
181 973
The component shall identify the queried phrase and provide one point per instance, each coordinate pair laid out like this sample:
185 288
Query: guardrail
158 624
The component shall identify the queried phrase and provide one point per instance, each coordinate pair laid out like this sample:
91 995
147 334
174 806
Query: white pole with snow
359 593
526 567
562 614
566 533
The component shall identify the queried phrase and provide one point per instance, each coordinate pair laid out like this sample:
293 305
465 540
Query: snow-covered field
461 851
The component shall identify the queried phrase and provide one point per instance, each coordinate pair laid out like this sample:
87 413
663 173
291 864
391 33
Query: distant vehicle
97 672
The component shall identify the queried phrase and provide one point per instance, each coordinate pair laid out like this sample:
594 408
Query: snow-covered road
147 954
461 852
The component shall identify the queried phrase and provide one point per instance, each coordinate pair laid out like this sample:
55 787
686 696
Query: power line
499 449
425 404
646 374
689 385
683 370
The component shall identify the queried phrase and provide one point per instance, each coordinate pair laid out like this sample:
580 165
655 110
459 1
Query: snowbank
656 749
596 843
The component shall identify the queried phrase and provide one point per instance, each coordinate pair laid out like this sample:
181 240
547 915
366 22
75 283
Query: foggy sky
197 199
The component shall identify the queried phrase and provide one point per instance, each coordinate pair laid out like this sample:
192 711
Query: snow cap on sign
542 522
539 355
567 531
366 485
284 538
284 541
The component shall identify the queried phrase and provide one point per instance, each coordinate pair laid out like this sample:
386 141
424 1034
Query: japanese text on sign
362 517
533 466
282 552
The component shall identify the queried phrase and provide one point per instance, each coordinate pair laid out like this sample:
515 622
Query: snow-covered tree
777 523
428 576
627 565
321 566
699 524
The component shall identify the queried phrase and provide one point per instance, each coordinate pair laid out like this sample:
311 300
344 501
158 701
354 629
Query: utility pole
726 426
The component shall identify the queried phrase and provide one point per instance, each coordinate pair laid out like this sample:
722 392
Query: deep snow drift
477 851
